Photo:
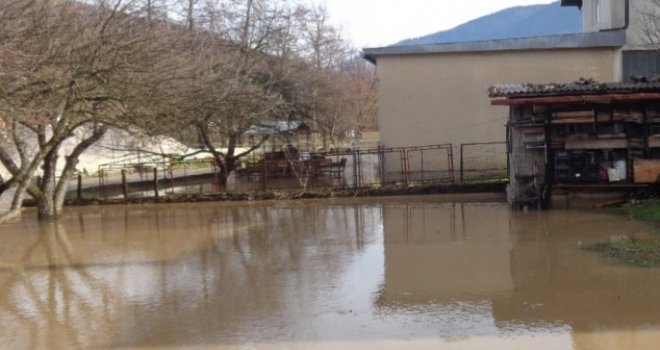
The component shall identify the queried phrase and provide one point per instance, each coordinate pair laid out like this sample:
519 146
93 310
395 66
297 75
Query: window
641 63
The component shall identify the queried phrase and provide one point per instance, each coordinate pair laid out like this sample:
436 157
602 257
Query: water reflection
428 245
362 274
183 275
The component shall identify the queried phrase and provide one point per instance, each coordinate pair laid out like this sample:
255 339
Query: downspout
626 19
618 66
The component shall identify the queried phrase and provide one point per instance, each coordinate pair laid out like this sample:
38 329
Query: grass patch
644 253
647 211
630 251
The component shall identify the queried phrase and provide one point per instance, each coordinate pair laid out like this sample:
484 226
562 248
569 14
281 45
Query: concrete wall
644 19
601 15
442 98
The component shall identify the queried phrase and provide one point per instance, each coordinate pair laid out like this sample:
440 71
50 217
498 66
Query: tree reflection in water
312 274
166 275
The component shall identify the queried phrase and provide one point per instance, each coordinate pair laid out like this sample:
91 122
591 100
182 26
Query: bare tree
325 50
234 79
71 70
68 69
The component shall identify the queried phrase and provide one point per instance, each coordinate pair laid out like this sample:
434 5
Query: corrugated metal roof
582 87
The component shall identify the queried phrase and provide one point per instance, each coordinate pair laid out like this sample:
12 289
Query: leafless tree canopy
70 70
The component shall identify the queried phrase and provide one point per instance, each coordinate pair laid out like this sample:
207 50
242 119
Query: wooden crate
646 171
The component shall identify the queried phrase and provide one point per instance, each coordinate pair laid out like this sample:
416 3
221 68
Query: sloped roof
582 87
279 127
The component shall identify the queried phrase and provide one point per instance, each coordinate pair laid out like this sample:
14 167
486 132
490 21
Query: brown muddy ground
432 272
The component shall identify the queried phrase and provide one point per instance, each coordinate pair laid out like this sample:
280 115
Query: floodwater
403 273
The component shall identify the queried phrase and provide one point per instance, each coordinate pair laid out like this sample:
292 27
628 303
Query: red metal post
451 163
405 165
462 169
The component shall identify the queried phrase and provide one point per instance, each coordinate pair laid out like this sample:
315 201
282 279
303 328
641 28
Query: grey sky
372 23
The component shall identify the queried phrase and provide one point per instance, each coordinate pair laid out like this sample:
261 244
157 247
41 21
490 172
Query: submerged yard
454 272
638 248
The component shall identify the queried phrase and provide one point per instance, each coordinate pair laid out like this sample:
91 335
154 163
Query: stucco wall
643 19
442 98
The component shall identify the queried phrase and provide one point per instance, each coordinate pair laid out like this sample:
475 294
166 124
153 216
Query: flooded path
423 273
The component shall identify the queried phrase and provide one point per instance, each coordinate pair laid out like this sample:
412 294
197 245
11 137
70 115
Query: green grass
631 252
647 211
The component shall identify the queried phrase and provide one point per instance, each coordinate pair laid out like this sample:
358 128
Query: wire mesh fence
297 171
482 162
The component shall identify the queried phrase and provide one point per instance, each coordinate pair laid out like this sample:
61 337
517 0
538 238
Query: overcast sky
373 23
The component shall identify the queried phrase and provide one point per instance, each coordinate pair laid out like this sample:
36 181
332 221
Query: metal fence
281 171
481 162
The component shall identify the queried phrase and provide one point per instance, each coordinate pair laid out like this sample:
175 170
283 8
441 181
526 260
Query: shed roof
580 92
278 127
605 39
582 87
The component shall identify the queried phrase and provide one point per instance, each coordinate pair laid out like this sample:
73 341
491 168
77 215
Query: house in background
436 94
281 133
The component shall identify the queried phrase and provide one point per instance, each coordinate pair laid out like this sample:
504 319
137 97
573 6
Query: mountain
515 22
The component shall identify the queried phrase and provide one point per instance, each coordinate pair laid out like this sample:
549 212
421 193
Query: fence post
355 169
359 168
404 165
421 156
124 185
381 163
101 190
452 177
79 188
156 182
461 175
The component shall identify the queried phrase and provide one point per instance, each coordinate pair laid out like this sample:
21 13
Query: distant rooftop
606 39
571 3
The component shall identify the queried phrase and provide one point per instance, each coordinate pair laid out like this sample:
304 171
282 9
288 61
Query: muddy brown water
405 273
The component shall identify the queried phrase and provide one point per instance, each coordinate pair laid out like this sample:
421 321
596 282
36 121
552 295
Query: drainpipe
626 19
618 65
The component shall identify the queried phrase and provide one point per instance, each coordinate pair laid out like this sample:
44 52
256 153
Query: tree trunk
16 206
324 134
45 204
46 208
72 160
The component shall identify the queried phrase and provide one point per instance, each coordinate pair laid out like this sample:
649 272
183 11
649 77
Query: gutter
603 39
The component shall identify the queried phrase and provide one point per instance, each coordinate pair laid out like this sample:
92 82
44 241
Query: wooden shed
583 136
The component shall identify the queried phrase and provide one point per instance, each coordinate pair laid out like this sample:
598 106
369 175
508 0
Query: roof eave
605 39
576 99
577 3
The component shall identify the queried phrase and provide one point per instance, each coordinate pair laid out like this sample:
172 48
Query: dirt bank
277 195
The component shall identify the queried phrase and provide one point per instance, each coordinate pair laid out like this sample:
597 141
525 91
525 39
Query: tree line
207 70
